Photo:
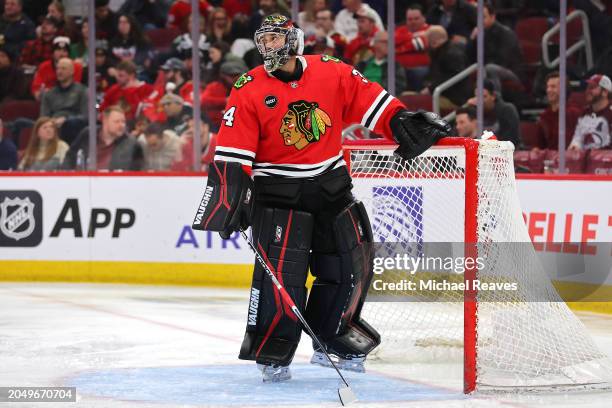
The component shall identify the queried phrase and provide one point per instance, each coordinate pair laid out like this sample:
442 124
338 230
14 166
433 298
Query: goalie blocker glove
227 204
417 131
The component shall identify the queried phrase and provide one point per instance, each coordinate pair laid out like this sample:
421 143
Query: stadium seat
599 162
529 134
161 38
575 160
12 110
530 31
24 138
417 101
533 160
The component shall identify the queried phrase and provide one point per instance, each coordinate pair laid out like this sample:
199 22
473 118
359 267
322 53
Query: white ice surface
155 346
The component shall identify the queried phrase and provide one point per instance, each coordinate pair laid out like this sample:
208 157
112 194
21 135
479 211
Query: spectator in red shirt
215 94
234 7
41 49
45 77
360 48
128 92
411 47
180 10
548 122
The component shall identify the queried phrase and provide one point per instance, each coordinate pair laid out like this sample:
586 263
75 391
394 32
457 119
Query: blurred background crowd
144 90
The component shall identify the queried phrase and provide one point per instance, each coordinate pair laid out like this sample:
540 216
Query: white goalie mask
277 39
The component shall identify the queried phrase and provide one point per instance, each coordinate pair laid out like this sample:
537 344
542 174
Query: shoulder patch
243 80
327 58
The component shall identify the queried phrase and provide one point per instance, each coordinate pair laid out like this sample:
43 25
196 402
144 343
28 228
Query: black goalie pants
302 224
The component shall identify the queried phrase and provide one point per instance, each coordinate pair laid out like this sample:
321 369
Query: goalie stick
345 393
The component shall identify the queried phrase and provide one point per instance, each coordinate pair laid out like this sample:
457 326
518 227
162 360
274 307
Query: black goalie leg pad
283 238
340 288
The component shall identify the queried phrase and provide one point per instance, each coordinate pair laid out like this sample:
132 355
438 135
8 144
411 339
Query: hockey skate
355 364
273 373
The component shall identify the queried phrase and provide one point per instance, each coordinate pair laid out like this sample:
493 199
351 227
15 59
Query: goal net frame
471 176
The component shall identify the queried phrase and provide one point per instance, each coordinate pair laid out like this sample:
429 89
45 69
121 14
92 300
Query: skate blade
346 395
342 365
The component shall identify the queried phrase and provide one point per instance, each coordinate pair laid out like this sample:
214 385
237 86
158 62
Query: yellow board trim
215 275
153 273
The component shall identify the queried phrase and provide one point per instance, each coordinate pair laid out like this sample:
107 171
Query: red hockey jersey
295 129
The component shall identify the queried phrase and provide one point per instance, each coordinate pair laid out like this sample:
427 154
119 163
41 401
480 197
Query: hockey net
459 192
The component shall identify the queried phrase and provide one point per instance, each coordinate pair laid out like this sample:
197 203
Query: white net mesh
531 339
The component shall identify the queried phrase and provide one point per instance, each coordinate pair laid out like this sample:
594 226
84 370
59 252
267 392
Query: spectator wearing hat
548 122
66 103
177 113
105 71
161 148
8 151
346 20
128 92
375 68
45 77
176 80
594 125
15 27
41 49
115 149
411 47
236 7
214 96
13 83
500 117
180 10
360 48
106 20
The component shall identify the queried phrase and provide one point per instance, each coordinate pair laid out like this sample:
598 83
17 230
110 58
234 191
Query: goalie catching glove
227 204
417 131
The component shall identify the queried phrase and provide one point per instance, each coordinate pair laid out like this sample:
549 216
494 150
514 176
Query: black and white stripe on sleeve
370 118
231 154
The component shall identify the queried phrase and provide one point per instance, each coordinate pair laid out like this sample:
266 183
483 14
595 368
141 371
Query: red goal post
490 213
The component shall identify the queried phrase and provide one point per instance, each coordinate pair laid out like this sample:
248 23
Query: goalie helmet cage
463 191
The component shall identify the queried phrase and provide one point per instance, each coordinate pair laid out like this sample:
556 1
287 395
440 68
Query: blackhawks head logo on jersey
303 123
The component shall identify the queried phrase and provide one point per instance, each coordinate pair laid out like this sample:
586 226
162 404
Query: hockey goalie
279 168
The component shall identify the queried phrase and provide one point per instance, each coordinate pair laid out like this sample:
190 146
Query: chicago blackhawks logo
243 80
303 123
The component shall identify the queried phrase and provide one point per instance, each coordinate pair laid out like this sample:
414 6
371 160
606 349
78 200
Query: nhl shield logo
17 218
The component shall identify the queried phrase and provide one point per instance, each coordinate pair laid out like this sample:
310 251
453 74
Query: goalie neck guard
278 29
